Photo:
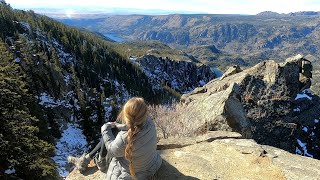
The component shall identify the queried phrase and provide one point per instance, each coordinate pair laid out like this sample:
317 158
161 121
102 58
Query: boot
81 163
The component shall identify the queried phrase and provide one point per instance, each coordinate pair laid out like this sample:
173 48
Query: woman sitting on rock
132 153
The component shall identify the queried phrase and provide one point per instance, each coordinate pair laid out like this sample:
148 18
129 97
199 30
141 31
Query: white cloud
205 6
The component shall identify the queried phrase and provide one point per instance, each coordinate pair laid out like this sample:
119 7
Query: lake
217 71
114 37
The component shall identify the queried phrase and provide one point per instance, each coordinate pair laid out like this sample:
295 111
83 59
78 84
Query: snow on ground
305 94
202 83
94 117
67 79
299 96
174 84
11 170
17 60
76 104
107 104
108 110
297 109
123 94
26 26
48 101
305 129
63 56
304 148
72 142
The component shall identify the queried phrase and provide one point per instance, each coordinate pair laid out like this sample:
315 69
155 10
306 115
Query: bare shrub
168 121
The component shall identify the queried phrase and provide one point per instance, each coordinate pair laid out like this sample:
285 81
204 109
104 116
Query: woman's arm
114 145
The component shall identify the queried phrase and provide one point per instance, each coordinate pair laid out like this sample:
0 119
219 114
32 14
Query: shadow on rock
168 172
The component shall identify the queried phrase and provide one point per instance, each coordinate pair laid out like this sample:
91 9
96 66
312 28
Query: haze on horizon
169 6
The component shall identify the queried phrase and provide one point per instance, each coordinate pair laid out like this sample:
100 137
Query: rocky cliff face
223 155
181 76
258 102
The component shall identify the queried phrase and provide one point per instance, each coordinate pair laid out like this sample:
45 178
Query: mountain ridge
241 40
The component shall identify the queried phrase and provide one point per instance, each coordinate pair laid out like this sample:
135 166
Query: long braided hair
134 114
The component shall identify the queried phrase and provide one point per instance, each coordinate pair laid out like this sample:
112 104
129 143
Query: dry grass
169 122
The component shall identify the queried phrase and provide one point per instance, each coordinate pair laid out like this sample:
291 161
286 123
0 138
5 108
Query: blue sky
179 6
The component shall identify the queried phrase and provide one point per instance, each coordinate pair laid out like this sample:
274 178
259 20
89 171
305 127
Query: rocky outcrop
231 71
223 155
257 102
181 76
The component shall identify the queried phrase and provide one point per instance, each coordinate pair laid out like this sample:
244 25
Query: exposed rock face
223 155
256 102
182 76
232 70
219 110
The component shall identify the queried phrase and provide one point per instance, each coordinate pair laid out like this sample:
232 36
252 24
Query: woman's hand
121 127
107 126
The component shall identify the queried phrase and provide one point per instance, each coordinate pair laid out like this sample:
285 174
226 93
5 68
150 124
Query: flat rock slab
223 155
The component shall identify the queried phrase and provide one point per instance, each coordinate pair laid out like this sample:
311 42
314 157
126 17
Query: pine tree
20 147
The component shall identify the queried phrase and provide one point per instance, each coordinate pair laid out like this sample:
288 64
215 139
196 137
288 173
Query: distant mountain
305 13
250 37
240 39
268 13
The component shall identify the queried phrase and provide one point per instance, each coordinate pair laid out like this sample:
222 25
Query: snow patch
133 58
67 79
94 117
305 129
304 148
63 56
107 104
175 84
11 170
26 26
108 110
303 95
316 121
72 142
296 110
17 60
298 151
49 102
76 104
202 82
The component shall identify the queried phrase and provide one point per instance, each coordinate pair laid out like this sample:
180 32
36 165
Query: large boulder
223 155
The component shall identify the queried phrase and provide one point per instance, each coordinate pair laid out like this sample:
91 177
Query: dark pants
102 147
103 151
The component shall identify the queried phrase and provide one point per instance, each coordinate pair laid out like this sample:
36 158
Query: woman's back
146 159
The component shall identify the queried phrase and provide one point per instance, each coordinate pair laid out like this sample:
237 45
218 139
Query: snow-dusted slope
308 132
181 76
72 142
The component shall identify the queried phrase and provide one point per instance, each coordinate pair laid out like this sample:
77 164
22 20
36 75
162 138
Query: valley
220 40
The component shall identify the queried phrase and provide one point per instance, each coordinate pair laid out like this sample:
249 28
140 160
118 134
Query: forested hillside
52 75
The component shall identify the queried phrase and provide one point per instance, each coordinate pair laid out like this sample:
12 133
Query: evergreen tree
20 148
